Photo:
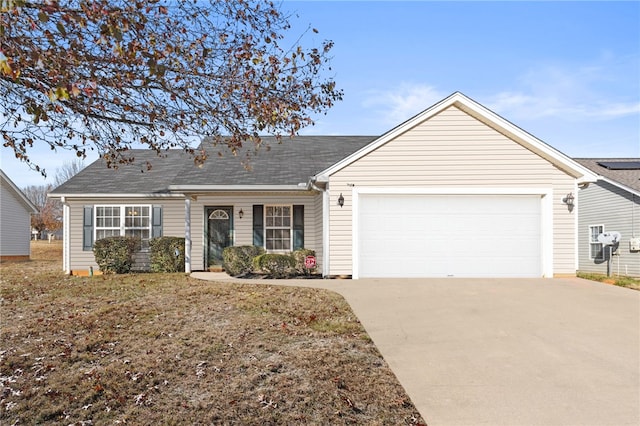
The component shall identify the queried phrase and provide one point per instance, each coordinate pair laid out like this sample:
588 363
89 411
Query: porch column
66 240
187 234
325 233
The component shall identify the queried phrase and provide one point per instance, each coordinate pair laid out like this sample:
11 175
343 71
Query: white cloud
397 104
587 92
622 109
532 106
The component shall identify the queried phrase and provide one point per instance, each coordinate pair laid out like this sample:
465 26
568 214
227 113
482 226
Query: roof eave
116 195
620 185
303 186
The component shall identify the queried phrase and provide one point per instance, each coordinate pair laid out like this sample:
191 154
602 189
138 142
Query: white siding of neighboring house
605 204
15 224
173 220
451 149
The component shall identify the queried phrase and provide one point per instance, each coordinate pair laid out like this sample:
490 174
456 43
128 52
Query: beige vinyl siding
243 228
564 226
605 204
172 224
451 149
15 224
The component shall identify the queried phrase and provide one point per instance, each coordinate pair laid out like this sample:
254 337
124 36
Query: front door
219 233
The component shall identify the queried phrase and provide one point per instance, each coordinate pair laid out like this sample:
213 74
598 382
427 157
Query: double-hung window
596 250
128 221
277 228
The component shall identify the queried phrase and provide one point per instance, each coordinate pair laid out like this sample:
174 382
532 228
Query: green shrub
238 260
167 254
298 257
276 265
114 255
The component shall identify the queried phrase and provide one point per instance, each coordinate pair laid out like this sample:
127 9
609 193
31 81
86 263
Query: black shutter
87 228
258 225
156 222
298 227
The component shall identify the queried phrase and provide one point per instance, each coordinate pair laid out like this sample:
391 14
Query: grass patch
628 282
168 349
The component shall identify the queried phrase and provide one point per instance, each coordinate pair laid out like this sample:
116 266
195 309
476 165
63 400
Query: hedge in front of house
167 254
299 257
114 255
238 260
276 265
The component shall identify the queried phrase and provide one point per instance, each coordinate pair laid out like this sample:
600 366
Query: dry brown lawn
168 349
619 280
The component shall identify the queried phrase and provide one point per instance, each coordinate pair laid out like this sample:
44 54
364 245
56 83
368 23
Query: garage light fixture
241 213
341 200
569 200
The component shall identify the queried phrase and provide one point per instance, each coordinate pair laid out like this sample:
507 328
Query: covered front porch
279 221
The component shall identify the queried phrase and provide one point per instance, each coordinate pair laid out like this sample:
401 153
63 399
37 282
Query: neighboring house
454 191
15 221
612 204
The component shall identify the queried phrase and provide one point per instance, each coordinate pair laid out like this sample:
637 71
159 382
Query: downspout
325 225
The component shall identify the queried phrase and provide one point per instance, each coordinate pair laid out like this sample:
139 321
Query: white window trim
591 256
290 227
123 216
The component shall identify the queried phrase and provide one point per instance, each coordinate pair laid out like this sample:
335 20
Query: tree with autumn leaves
108 75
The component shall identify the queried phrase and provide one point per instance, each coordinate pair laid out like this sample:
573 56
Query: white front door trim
546 211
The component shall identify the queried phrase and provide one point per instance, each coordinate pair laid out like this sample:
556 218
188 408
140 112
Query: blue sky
566 72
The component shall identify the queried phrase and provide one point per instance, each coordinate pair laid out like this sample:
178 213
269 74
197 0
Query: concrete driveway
505 351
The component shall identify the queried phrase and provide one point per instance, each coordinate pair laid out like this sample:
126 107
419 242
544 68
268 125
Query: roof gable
18 194
482 114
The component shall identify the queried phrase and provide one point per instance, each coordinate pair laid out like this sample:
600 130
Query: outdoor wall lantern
240 213
341 200
569 200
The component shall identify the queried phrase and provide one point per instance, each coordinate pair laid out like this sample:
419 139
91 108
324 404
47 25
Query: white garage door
449 236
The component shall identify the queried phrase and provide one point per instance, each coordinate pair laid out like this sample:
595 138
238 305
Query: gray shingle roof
134 178
628 178
288 163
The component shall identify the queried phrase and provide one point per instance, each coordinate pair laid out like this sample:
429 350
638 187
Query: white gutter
235 188
619 185
140 195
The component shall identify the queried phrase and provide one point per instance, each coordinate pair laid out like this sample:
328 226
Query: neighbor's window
596 252
128 221
278 228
